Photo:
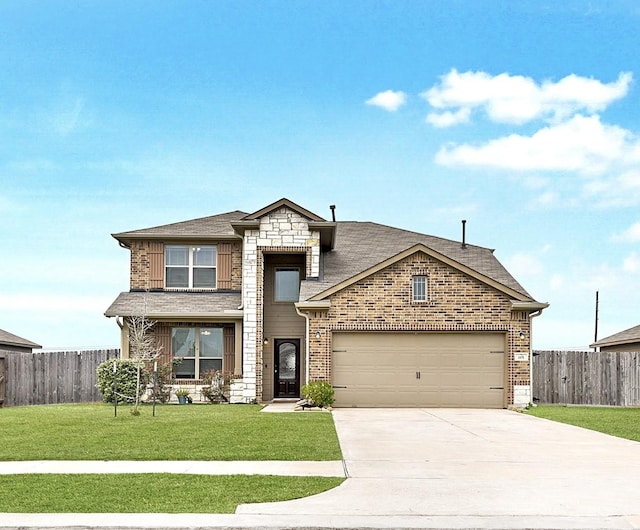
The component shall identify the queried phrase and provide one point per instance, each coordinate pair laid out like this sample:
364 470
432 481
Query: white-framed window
190 267
419 288
287 284
200 348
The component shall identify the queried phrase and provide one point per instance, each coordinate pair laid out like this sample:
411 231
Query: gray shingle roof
628 335
359 246
9 339
158 304
214 226
362 245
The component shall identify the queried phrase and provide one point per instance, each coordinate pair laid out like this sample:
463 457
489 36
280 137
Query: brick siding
456 302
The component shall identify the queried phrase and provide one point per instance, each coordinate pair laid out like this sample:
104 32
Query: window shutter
156 265
163 340
229 362
224 266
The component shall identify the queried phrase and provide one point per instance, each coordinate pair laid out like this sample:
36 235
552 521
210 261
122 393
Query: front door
287 367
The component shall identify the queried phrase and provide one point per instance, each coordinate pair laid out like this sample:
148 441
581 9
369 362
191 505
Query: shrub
320 393
216 385
164 377
127 377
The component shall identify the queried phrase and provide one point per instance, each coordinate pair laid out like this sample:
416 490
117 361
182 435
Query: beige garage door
419 369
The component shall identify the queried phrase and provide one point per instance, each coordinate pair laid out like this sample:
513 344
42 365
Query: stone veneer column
278 230
249 304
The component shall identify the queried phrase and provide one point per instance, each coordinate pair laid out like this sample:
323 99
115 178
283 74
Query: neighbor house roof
9 339
176 305
624 337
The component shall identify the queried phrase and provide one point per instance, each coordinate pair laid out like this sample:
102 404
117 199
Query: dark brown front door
287 367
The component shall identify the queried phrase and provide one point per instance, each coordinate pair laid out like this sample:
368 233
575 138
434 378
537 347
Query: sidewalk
333 468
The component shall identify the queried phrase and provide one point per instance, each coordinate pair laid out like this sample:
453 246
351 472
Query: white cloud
536 182
583 144
524 264
517 99
630 235
616 191
546 199
448 118
557 282
388 100
631 263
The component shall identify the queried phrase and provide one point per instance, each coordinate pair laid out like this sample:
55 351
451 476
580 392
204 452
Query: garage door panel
419 369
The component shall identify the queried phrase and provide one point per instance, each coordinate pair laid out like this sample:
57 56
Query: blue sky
520 117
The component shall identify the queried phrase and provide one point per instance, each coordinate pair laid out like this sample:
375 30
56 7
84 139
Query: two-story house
282 296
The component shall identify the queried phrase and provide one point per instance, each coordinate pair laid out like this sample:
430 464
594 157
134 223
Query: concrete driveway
474 468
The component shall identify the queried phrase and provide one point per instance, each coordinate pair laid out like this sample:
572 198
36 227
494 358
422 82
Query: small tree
143 349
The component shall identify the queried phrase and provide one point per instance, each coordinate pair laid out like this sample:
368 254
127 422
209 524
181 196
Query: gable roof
623 337
353 248
362 246
9 339
287 204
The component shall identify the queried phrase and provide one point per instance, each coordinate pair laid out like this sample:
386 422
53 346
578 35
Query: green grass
192 432
621 422
161 493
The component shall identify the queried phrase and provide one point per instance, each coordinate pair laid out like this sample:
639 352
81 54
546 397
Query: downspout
123 346
306 343
531 317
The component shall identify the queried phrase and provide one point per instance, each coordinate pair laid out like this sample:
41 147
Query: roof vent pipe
333 212
464 233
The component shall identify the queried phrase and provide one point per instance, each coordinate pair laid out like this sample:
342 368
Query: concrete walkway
432 468
271 467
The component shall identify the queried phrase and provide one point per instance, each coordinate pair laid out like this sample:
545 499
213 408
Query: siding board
224 266
156 265
229 361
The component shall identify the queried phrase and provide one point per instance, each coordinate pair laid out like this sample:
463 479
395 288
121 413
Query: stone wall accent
521 396
281 231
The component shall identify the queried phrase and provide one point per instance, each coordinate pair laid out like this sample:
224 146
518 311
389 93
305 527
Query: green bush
164 378
216 385
126 375
320 393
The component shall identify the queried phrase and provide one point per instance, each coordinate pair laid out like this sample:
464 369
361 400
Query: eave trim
320 305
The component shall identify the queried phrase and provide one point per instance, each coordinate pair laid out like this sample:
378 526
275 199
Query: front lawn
188 432
144 493
621 422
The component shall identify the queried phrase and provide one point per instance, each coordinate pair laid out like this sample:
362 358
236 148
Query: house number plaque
521 356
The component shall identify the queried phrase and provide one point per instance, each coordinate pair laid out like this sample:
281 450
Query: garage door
419 369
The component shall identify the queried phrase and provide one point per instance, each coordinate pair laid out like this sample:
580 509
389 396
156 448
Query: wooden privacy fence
586 378
41 378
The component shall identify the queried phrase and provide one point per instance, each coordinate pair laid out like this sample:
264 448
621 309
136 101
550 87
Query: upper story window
188 267
419 288
287 287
